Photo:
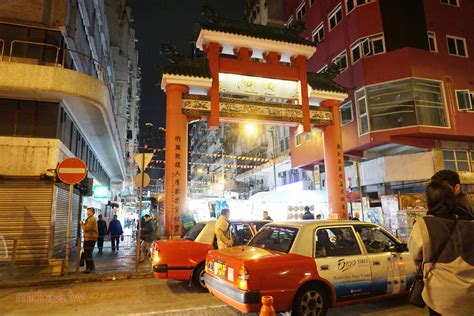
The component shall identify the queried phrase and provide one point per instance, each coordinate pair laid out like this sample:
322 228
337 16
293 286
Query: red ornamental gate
249 60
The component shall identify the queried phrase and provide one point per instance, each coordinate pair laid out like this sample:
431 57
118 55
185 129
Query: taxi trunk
176 259
240 276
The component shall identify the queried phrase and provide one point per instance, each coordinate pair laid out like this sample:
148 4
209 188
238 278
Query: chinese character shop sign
177 184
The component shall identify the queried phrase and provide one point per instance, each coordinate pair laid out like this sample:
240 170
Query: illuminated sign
100 191
248 85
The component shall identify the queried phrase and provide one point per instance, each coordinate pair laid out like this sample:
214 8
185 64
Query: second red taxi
183 259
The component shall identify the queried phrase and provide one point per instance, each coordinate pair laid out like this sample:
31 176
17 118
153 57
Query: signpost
141 180
71 171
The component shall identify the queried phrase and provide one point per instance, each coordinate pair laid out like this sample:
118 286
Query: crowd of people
96 231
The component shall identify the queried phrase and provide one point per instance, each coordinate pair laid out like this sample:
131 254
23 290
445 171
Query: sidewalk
119 265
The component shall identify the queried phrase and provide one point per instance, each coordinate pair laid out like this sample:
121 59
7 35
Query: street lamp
272 131
250 129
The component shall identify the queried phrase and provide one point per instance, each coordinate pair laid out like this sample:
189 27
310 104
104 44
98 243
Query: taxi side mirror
401 248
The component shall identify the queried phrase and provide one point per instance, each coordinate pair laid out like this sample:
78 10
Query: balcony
45 72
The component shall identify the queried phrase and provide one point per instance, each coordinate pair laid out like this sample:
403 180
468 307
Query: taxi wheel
198 278
311 300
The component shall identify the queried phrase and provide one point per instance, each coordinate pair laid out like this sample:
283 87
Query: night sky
174 21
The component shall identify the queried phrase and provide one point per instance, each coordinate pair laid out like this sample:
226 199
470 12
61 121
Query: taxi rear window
275 238
194 232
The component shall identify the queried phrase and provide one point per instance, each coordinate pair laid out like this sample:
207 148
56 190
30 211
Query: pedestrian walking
452 178
91 233
307 214
441 246
266 217
148 236
116 231
187 222
222 230
102 227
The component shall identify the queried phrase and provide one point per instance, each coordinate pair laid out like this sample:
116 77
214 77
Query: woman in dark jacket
442 243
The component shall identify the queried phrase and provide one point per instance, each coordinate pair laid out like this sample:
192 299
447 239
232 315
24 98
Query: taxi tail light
243 273
242 278
156 256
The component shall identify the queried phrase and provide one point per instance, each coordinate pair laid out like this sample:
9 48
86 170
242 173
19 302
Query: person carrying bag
416 289
441 246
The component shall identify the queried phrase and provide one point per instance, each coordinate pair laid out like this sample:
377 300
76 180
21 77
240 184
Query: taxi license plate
219 269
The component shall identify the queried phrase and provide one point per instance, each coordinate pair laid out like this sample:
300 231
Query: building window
24 118
369 46
318 33
472 160
341 61
301 11
363 117
282 145
356 53
335 17
290 21
451 2
311 2
298 140
432 42
465 100
457 46
346 113
352 4
401 103
457 160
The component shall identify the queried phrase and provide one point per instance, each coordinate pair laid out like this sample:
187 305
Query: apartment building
408 68
69 88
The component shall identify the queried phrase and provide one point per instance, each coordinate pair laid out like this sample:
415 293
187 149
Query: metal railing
42 45
5 257
60 59
98 67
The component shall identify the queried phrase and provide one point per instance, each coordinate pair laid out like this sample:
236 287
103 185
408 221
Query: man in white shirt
223 235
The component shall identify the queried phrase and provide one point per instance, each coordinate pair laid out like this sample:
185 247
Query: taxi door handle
376 263
325 267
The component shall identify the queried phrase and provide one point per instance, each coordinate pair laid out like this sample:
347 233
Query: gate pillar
176 159
334 163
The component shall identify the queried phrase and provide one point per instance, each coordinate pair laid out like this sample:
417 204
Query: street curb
75 279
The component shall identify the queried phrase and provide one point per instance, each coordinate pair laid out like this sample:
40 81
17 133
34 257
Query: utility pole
272 131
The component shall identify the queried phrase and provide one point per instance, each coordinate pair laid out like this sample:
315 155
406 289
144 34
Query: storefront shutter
25 214
60 220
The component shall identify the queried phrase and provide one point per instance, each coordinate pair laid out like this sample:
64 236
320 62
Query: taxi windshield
194 231
275 238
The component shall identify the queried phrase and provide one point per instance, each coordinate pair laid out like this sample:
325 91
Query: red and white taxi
183 259
309 266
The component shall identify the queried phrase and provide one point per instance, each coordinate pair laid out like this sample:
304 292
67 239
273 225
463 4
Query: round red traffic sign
72 170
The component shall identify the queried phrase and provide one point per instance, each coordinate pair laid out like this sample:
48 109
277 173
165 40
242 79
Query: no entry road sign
72 170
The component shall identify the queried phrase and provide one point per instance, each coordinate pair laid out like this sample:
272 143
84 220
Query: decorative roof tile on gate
279 34
189 67
324 83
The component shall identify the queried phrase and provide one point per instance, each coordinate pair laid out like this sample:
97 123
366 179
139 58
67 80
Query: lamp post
272 132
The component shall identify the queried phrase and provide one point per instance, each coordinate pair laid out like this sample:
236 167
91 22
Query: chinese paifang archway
249 60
